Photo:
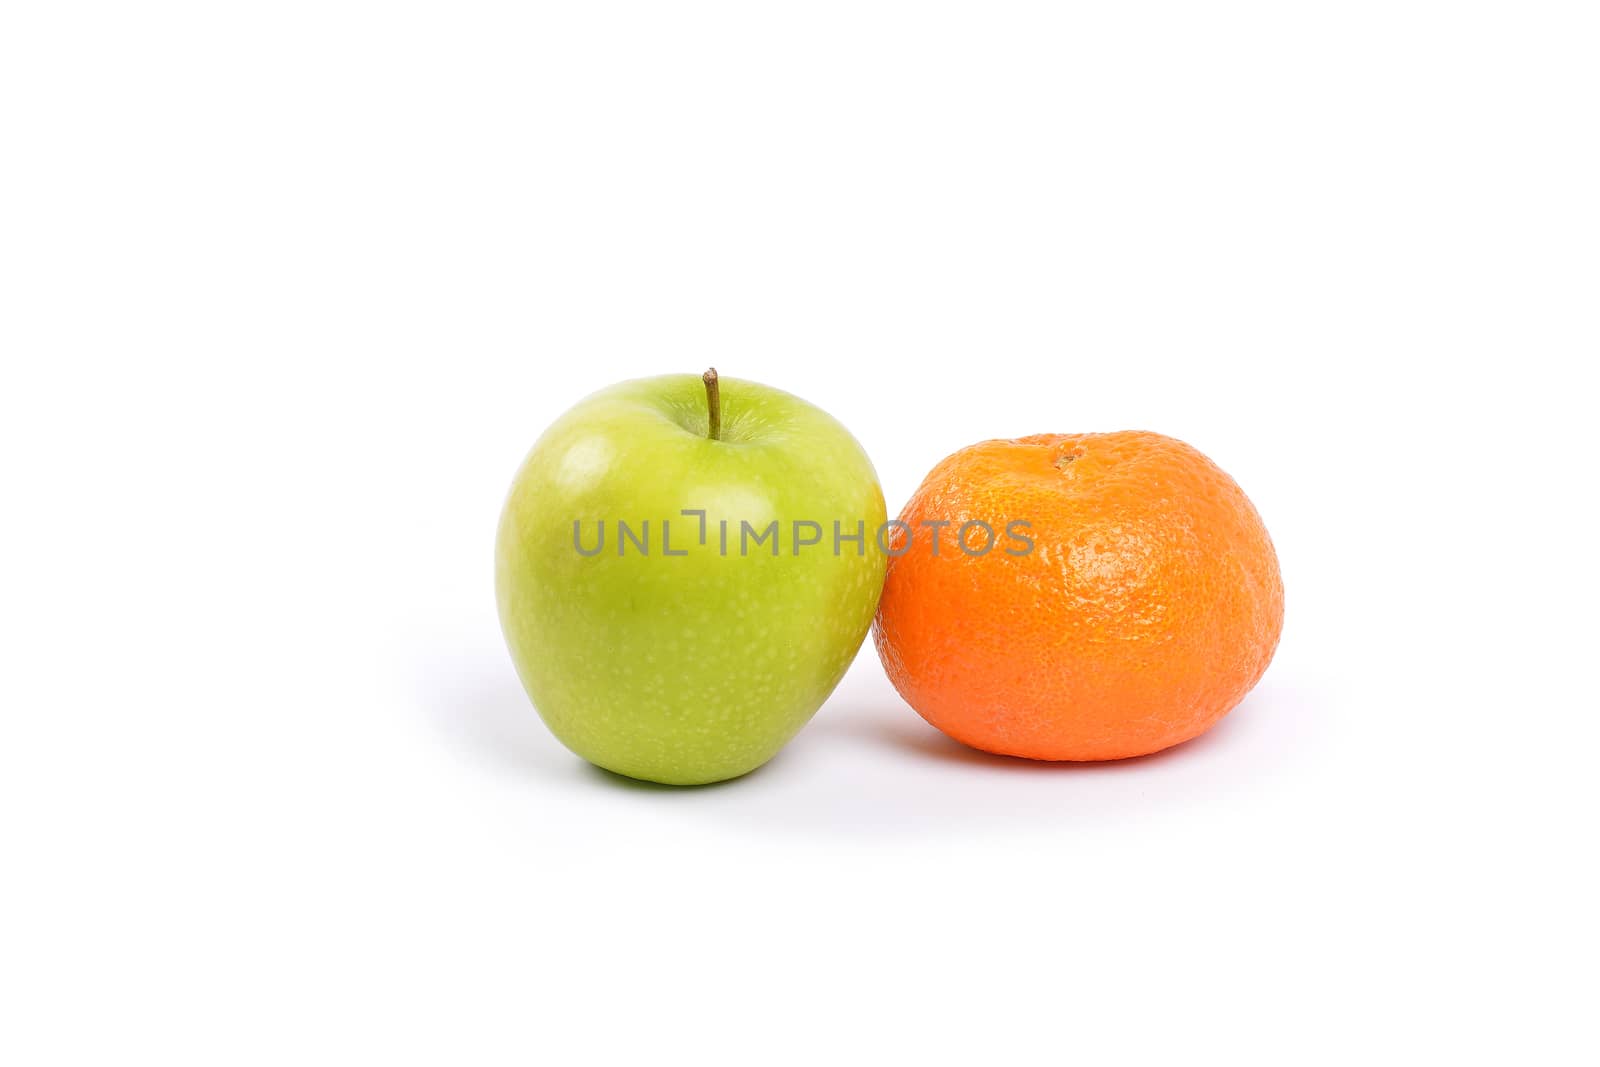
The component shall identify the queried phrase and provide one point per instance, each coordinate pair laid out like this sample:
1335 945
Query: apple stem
713 403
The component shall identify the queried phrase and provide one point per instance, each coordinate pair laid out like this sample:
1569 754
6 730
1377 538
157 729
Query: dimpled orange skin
1149 605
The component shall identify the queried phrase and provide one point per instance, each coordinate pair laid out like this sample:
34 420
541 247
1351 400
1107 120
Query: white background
287 290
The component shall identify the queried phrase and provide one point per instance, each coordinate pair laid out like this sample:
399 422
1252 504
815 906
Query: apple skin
694 668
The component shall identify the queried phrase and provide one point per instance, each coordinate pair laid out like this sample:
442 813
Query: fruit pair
686 566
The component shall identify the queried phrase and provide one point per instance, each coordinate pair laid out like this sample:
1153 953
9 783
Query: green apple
685 568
